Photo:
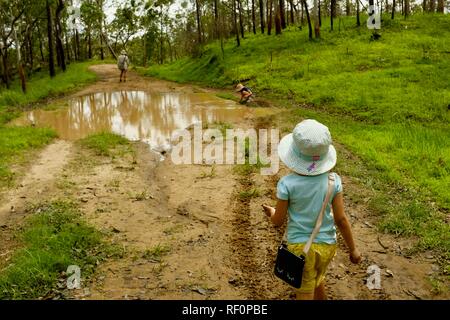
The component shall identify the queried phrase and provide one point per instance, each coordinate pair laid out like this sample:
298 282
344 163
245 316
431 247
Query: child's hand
268 210
355 256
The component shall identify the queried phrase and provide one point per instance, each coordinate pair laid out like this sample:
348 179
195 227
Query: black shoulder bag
289 266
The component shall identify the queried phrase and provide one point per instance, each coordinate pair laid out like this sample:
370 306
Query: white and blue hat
308 149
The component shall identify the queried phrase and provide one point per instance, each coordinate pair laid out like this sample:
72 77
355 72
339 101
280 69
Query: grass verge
106 144
54 237
15 142
40 86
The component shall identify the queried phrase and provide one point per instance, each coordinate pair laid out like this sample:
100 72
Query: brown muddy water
136 115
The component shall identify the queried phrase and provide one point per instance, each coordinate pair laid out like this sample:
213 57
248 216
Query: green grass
249 194
40 86
104 144
211 174
156 253
15 142
54 237
386 101
227 96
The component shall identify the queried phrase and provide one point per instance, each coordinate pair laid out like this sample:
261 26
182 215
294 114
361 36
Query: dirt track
217 245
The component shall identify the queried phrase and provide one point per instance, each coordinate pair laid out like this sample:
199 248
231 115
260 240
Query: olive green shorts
316 264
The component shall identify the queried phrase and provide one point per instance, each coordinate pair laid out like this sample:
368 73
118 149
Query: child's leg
305 296
320 292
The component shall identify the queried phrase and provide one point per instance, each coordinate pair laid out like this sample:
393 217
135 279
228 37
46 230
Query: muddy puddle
136 115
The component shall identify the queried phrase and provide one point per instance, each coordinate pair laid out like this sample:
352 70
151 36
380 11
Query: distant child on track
245 92
308 152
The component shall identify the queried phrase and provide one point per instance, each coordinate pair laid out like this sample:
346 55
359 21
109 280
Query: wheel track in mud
254 254
241 242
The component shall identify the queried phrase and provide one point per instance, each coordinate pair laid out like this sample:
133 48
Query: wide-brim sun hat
239 87
123 52
308 150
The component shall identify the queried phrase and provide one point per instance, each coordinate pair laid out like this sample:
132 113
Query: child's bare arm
277 215
343 224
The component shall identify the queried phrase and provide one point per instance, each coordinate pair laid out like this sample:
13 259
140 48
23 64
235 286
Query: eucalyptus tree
91 15
124 25
308 18
10 13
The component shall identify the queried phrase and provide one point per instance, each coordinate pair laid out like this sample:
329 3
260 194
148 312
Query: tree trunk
253 17
199 27
77 46
145 55
291 4
261 14
432 6
170 49
59 43
89 43
111 50
316 19
58 56
30 50
161 39
277 18
51 58
319 14
41 46
282 12
216 19
249 19
440 6
347 8
332 12
102 51
69 57
236 31
1 67
308 18
406 13
241 21
358 22
269 23
302 18
424 5
19 60
5 67
393 9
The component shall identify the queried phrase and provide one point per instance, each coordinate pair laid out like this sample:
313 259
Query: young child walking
308 152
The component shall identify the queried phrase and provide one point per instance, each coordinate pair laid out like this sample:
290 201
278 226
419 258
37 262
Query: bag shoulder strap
322 211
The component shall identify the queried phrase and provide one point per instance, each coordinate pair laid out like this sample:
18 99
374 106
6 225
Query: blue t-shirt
306 195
